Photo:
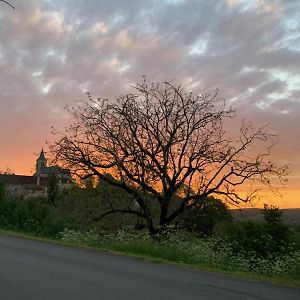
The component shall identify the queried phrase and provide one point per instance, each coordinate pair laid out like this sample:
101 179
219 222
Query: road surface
31 270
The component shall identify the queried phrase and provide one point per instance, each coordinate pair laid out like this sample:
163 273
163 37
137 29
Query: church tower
41 163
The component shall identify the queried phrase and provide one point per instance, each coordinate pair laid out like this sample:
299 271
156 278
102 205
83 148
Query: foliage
272 214
255 239
259 239
181 247
203 217
295 239
31 215
2 191
52 189
86 206
263 248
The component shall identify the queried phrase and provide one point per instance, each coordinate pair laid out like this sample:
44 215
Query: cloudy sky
52 52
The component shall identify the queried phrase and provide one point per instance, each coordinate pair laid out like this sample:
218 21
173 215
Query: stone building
43 171
36 185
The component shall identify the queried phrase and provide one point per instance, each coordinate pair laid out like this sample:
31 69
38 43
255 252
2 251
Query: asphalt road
32 270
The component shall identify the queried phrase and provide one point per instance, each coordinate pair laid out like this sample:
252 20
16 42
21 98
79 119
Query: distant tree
272 214
161 141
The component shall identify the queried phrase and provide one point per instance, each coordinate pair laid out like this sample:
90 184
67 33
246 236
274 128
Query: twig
8 4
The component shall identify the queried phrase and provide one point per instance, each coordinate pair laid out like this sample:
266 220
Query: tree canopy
162 142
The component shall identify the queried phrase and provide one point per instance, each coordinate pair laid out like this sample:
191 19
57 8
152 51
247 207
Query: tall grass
180 247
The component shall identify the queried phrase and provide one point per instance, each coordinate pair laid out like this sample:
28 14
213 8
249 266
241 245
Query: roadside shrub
256 239
295 239
2 191
202 218
84 206
183 247
31 215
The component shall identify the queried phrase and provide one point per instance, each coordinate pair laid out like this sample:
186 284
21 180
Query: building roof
29 180
17 179
55 170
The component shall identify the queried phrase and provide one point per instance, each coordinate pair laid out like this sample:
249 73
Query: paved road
31 270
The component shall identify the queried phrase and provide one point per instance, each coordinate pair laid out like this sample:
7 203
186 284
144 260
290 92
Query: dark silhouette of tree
272 214
202 218
163 142
6 2
2 191
52 189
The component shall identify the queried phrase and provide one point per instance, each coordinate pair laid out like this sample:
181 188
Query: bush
2 191
85 205
257 239
182 247
295 239
31 215
203 217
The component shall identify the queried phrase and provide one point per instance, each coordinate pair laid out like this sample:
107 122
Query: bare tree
162 142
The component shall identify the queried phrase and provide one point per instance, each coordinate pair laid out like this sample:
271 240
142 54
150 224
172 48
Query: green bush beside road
266 249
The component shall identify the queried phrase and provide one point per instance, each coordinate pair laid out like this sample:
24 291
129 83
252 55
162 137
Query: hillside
290 216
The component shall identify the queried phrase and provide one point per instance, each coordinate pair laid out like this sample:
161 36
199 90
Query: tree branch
8 3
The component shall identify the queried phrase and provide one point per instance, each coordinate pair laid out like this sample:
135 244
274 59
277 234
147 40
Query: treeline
98 207
102 208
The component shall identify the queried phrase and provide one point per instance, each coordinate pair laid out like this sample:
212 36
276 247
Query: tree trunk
163 214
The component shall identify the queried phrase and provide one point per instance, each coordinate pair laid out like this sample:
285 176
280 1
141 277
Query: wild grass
183 248
187 251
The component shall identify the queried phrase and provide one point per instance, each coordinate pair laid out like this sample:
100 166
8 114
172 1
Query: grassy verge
156 253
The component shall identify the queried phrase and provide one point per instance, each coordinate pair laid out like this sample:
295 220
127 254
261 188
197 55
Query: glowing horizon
289 194
52 53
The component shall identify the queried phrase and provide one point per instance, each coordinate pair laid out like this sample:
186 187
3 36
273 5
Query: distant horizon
287 202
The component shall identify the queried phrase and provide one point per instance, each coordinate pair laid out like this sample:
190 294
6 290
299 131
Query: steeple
42 155
41 163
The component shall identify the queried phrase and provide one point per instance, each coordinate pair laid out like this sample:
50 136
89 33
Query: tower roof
42 155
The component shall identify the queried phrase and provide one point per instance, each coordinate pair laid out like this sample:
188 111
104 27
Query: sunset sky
53 52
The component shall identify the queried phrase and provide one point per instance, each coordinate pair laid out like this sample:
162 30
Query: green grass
149 249
155 253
